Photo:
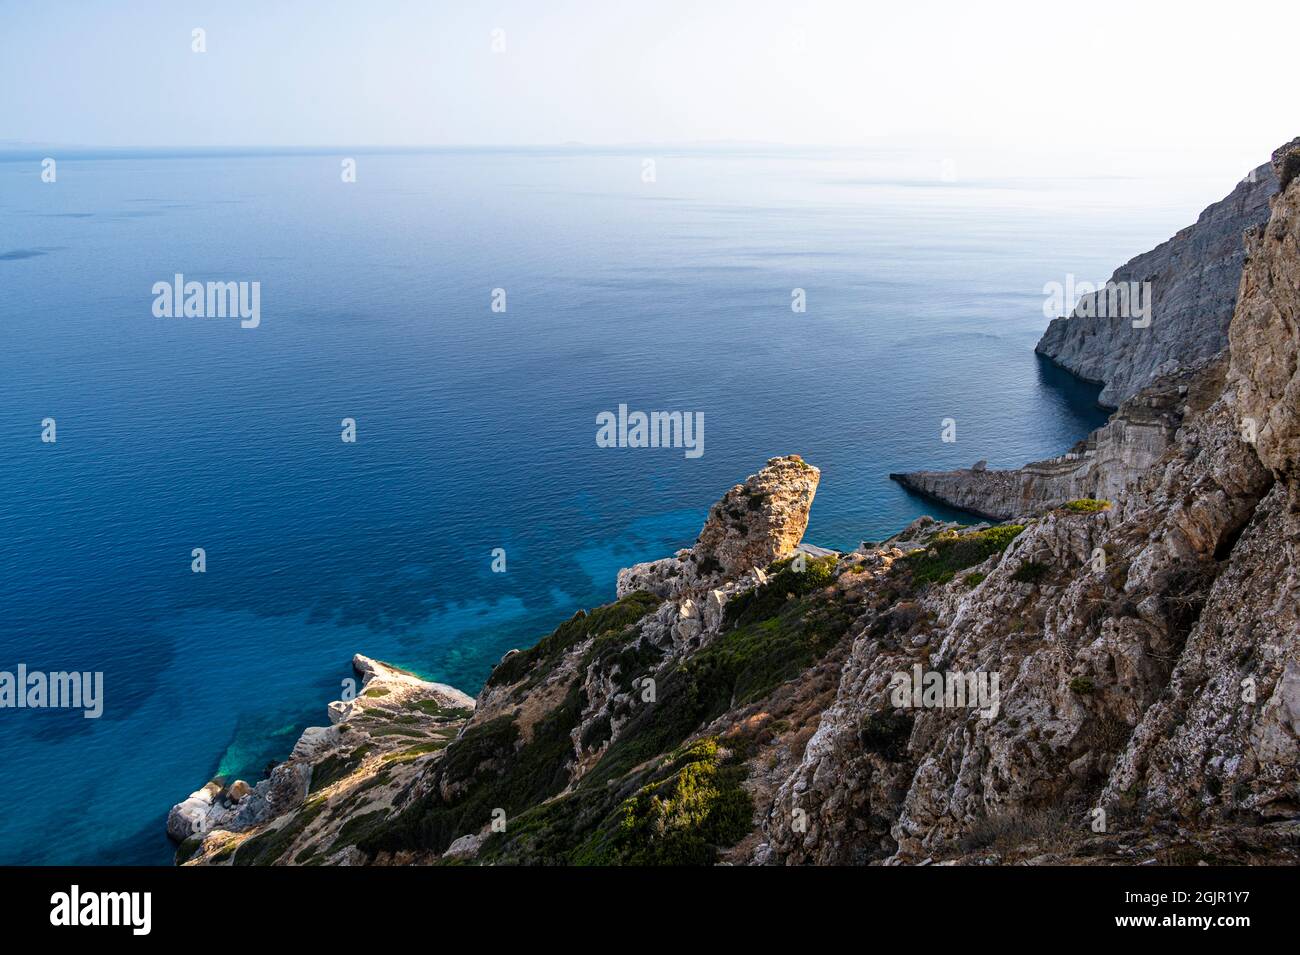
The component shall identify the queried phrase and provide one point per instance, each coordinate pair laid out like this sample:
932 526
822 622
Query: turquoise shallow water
476 429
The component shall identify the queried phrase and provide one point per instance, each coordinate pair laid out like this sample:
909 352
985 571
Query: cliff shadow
1074 399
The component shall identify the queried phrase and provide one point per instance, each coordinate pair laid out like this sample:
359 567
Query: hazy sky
1200 78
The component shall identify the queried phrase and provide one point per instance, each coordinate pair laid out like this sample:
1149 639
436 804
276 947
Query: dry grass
1050 830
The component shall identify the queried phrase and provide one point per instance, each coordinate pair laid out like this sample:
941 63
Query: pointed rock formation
754 524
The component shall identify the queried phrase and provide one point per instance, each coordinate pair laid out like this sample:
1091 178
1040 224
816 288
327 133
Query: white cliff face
1194 278
1266 331
1154 375
1226 735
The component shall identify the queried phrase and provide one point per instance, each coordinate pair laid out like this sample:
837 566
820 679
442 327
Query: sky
1207 82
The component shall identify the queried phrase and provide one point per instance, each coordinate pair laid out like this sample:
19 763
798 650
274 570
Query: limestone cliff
1194 278
1155 375
1152 654
1265 334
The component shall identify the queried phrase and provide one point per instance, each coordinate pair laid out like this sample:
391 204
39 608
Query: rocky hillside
1194 278
1110 681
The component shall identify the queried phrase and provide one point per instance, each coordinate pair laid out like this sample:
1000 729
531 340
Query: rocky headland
374 747
739 702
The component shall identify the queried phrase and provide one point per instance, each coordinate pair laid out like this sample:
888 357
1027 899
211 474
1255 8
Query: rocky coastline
1153 376
1138 599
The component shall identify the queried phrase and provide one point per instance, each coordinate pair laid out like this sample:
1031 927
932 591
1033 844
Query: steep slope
612 739
1155 375
1151 657
1231 719
376 745
1194 278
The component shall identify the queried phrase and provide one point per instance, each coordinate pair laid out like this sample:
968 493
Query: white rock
466 847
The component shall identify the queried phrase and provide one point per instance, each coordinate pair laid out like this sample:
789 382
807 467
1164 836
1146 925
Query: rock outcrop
1265 334
1155 375
754 524
1194 278
1150 658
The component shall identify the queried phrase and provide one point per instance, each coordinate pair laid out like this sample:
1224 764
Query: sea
472 312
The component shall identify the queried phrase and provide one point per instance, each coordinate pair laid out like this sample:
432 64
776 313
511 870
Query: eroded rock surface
1194 279
378 741
754 524
1265 334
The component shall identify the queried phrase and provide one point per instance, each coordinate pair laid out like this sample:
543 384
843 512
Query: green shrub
784 581
487 772
337 766
1087 505
268 845
355 828
414 752
186 850
487 767
950 552
625 655
974 579
682 820
224 853
380 731
1082 684
438 711
741 666
700 805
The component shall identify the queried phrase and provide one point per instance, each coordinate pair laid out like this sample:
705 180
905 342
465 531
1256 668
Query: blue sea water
475 429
